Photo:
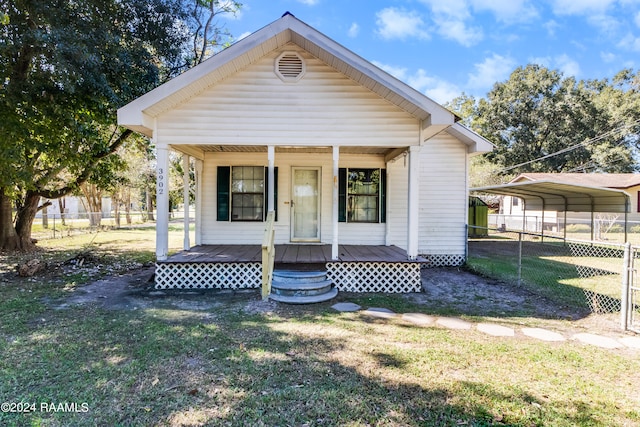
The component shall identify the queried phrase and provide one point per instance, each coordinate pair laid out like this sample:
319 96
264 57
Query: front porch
359 268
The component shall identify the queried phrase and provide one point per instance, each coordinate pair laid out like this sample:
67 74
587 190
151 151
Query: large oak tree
65 67
542 121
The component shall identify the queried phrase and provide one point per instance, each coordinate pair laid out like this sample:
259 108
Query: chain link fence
583 275
57 226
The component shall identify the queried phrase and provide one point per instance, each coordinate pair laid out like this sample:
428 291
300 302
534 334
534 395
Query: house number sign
160 182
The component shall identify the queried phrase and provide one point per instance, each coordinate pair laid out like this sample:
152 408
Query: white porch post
335 195
414 202
271 155
387 225
198 174
186 164
162 202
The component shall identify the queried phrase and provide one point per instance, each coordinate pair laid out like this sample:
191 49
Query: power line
573 147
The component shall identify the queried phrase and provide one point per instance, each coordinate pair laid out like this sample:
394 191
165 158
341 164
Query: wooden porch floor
290 254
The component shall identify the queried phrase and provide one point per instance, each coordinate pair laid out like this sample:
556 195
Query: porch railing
268 254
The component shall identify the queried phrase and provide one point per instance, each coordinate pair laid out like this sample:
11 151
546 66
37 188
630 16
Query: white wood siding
237 232
255 107
443 196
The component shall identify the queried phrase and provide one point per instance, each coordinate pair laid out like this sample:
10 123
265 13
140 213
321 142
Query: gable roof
139 114
607 180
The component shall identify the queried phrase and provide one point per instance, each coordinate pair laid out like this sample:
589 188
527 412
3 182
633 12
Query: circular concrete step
305 299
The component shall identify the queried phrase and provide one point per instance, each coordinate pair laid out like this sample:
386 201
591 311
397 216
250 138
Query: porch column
198 175
271 155
162 202
414 202
387 225
186 165
335 195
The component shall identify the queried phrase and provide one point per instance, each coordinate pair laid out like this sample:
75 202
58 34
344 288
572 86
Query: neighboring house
74 207
628 182
288 120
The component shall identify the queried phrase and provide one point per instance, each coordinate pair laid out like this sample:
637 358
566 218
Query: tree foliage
541 121
65 67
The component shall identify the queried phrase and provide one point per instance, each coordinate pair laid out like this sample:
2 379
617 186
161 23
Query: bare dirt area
447 291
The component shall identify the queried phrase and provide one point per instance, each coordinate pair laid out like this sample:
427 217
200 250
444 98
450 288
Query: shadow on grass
229 368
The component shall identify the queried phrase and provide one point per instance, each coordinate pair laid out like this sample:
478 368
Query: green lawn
222 364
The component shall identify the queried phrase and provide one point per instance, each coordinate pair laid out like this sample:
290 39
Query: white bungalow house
364 173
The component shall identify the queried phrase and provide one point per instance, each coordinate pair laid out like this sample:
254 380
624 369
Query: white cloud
507 11
457 30
399 73
435 88
568 66
551 27
309 2
636 19
493 69
243 35
580 7
607 57
544 61
630 42
399 24
354 30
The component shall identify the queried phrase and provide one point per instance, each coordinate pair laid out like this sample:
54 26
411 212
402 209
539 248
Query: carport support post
624 301
520 258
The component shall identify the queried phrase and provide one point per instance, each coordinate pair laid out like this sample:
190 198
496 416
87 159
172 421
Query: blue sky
446 47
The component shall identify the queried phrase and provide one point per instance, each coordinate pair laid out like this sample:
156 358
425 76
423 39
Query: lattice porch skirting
208 275
346 276
375 276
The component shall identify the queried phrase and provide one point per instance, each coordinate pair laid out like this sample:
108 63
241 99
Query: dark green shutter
342 195
275 191
224 176
383 195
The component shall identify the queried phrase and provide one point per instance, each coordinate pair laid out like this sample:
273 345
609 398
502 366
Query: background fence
57 226
583 275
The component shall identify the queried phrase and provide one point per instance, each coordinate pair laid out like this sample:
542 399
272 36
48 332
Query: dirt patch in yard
467 293
453 291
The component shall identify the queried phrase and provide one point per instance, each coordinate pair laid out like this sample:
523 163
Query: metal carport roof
546 195
556 196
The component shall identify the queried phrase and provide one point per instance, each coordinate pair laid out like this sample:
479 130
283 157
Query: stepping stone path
424 320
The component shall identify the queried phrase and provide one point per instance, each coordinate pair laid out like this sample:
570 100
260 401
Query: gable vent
290 67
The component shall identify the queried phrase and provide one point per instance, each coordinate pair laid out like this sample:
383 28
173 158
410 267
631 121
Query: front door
305 205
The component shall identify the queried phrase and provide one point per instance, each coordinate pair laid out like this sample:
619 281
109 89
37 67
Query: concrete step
301 287
305 299
296 276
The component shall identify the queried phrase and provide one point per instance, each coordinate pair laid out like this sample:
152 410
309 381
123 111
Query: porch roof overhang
556 196
140 114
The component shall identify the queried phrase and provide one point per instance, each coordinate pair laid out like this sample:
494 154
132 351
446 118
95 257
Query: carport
556 196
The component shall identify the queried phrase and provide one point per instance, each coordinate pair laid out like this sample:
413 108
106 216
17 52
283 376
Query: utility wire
573 147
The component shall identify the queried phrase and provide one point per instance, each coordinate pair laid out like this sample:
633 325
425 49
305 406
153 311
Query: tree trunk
150 206
62 204
24 220
127 208
9 240
115 200
94 200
